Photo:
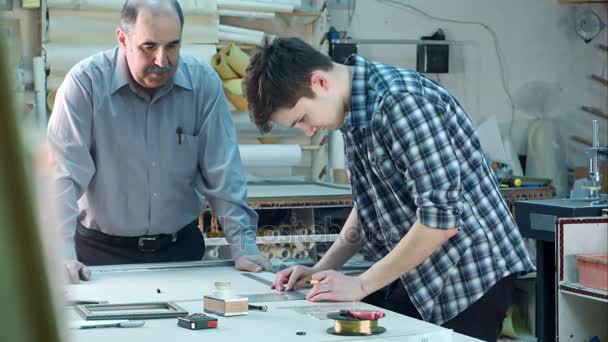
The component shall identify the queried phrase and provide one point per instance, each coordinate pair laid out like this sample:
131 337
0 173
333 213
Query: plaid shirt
413 154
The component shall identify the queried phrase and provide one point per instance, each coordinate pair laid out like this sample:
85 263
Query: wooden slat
600 79
581 140
595 112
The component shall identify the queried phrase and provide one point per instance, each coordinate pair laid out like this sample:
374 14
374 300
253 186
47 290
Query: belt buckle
141 243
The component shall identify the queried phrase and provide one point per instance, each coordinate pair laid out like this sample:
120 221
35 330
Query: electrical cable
351 10
499 54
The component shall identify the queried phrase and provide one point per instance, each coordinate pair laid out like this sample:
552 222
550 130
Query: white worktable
187 283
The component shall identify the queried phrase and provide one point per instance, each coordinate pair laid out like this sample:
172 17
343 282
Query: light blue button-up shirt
121 167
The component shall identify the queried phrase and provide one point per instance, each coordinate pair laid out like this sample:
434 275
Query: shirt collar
358 98
122 75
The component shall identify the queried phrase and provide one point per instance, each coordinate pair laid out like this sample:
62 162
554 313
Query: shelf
582 291
278 239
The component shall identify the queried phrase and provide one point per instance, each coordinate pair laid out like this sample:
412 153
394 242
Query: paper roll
240 37
336 150
245 14
259 155
234 93
96 27
212 253
237 59
50 99
259 35
40 90
244 5
219 62
200 7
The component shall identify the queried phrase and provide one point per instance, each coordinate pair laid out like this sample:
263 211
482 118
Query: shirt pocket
185 157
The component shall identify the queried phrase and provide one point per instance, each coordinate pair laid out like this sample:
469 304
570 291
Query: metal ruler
257 278
273 296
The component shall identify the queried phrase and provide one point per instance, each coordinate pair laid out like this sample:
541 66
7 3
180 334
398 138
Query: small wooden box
235 306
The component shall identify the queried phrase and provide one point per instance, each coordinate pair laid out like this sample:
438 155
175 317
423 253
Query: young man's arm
417 245
345 246
414 131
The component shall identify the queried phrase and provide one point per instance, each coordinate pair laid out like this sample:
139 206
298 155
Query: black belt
145 243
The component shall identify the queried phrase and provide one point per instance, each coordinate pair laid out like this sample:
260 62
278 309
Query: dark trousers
482 320
96 248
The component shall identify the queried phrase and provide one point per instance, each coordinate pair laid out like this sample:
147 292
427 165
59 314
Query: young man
139 134
428 209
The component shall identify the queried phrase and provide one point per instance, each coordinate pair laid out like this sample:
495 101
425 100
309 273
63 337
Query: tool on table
257 278
223 302
356 322
197 321
275 296
263 308
106 324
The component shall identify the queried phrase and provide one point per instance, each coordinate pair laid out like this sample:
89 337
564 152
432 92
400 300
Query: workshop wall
546 65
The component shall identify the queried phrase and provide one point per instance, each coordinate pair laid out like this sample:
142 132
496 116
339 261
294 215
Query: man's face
310 115
324 111
151 47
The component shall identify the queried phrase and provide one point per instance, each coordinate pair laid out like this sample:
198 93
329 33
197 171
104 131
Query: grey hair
131 9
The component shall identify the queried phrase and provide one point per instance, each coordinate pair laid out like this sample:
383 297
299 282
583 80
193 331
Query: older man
141 133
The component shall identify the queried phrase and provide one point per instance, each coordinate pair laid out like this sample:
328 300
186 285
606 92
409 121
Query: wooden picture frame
131 311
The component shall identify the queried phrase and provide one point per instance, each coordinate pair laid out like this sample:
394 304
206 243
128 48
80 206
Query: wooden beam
600 79
595 112
581 140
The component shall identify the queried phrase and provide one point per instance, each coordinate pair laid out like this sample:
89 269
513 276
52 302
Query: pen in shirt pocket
179 134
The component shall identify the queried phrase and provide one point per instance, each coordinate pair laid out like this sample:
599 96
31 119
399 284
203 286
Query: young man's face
324 111
151 47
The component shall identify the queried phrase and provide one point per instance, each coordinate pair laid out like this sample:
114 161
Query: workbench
186 283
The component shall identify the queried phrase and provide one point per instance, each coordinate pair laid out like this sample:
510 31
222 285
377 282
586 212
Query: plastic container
593 270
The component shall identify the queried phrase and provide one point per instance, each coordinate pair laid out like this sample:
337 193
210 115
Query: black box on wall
433 58
339 51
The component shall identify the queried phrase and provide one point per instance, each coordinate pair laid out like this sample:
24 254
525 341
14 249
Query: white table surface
187 284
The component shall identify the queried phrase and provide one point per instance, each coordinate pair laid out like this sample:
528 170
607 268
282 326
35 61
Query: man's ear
318 79
121 38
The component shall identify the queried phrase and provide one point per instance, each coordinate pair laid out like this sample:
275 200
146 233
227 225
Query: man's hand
76 271
252 263
292 278
335 286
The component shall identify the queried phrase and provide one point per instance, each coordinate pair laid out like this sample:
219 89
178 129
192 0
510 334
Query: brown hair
278 76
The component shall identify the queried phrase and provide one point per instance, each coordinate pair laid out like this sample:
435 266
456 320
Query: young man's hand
75 271
292 278
335 286
252 263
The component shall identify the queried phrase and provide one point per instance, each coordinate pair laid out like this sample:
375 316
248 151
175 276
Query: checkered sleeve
420 144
